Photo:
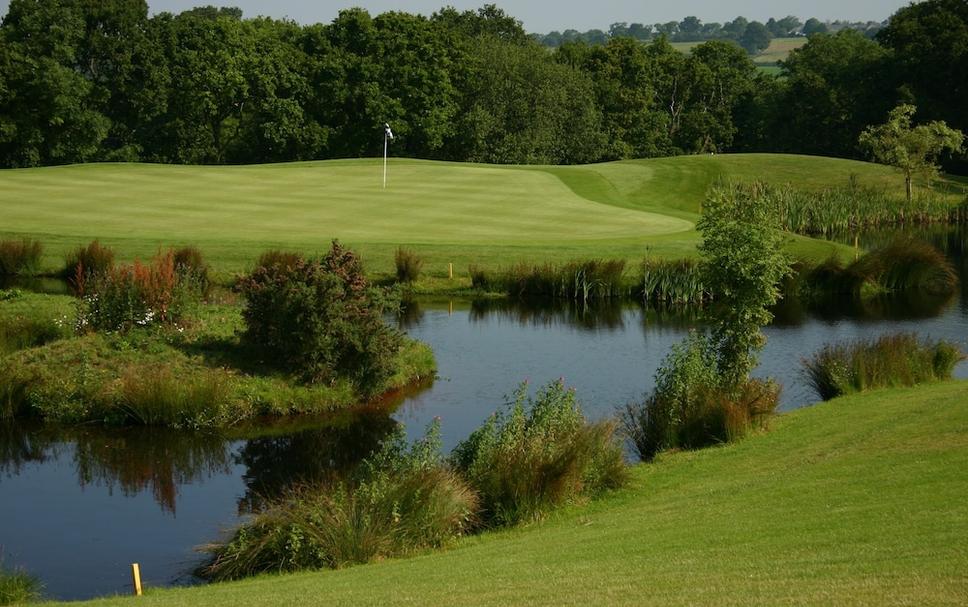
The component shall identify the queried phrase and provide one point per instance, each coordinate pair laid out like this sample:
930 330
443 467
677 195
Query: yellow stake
450 271
136 574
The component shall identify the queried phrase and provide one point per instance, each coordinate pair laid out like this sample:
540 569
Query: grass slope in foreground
449 212
858 501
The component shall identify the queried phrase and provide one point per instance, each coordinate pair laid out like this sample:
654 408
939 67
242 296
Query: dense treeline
754 36
85 80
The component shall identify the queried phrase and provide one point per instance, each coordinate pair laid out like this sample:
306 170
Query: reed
677 282
20 256
153 395
888 361
850 208
84 264
579 280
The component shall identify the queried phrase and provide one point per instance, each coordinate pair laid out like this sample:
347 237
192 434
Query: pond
78 505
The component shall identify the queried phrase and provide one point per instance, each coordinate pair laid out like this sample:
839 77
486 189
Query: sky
543 16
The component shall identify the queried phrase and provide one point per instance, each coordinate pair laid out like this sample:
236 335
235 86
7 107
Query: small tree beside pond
704 393
911 149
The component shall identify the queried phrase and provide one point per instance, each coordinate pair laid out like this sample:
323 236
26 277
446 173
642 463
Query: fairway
457 212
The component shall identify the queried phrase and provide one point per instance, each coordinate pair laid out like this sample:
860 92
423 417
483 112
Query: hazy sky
546 15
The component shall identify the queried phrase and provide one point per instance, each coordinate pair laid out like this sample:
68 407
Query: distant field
450 212
778 50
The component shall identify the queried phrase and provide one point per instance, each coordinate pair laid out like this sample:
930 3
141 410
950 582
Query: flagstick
384 160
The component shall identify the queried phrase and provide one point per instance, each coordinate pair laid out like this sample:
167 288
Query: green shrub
20 256
124 297
408 265
403 499
538 454
890 360
321 320
17 586
84 264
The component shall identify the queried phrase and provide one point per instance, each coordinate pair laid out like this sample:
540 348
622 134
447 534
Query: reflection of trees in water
142 459
130 459
19 447
601 314
316 455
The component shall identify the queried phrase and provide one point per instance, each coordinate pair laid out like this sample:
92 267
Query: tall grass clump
283 259
408 265
139 294
677 282
403 499
20 333
908 265
17 586
579 280
321 320
190 265
538 454
84 264
154 395
691 407
20 256
887 361
900 266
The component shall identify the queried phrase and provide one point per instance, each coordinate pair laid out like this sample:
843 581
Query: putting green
425 202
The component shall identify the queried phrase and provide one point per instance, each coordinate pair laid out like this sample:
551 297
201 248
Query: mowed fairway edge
858 501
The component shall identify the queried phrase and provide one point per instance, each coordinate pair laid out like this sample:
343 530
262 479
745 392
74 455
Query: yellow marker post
136 576
450 271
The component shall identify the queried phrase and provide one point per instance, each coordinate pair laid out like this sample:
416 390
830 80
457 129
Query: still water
78 505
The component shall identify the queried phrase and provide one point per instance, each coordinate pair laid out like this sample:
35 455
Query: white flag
389 133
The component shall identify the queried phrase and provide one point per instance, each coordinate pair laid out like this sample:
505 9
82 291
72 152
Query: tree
911 149
930 44
756 38
742 263
814 26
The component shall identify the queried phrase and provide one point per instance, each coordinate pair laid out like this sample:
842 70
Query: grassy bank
857 501
194 374
448 212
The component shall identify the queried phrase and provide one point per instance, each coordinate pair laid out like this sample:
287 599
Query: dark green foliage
83 264
891 360
17 586
579 280
321 320
743 264
408 265
537 454
691 407
20 333
20 256
403 499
